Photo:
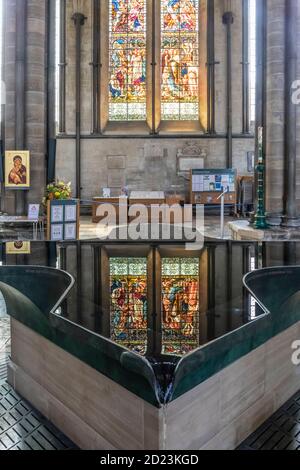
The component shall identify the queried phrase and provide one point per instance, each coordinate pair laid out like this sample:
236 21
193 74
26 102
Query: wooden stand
147 199
64 222
115 201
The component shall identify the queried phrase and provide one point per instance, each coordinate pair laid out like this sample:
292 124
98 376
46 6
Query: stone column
36 98
275 110
35 92
9 77
291 218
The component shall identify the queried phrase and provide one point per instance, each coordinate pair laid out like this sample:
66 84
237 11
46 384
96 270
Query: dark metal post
79 20
153 69
96 68
62 68
260 215
154 336
2 104
97 289
211 63
211 317
21 15
260 65
290 253
260 104
228 21
51 98
291 218
62 256
229 272
79 312
245 64
51 68
246 268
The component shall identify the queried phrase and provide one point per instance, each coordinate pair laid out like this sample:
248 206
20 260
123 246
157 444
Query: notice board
206 186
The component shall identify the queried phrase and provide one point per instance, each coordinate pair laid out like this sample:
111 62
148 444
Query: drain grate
280 432
3 365
22 428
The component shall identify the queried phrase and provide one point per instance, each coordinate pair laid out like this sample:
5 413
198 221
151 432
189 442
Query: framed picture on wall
70 231
17 169
57 214
63 220
57 232
33 211
18 248
71 213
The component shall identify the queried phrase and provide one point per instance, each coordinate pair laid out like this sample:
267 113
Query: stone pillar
9 77
35 92
291 218
35 130
275 110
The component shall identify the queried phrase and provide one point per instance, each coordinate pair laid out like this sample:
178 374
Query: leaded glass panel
180 305
129 306
180 60
127 60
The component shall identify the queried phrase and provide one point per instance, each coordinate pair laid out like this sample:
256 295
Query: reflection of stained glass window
180 305
128 307
127 85
180 59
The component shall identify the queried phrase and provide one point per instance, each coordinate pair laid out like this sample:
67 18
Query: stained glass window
180 305
180 59
129 307
127 76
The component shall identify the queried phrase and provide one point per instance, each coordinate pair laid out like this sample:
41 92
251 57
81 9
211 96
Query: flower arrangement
57 190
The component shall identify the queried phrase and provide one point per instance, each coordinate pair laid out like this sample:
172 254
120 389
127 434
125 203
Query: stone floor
22 427
88 230
234 229
4 345
280 432
212 228
242 230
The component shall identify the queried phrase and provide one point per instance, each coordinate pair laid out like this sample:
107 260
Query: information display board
63 220
207 185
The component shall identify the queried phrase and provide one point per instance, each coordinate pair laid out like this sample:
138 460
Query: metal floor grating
3 366
22 428
280 432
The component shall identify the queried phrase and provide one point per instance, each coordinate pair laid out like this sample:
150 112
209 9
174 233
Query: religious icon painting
18 248
17 169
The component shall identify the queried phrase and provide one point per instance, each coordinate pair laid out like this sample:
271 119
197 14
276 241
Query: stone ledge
242 230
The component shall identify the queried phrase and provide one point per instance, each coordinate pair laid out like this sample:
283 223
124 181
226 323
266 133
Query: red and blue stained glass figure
127 76
129 307
180 305
180 60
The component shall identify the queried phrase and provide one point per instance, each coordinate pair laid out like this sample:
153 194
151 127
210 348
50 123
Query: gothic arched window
149 65
170 28
127 60
180 60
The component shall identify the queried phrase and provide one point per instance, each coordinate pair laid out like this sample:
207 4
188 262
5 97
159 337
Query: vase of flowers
59 190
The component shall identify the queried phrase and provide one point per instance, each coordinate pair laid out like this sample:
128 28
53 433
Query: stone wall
150 163
275 105
34 118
